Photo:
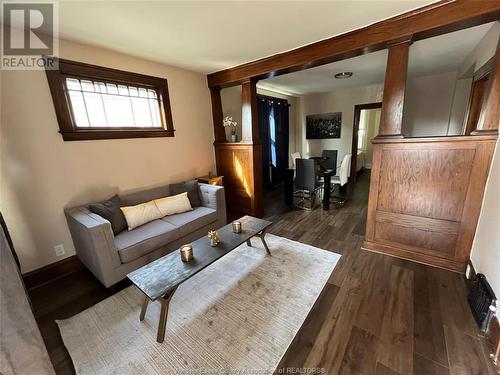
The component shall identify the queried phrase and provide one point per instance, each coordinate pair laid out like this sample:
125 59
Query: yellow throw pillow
174 204
141 214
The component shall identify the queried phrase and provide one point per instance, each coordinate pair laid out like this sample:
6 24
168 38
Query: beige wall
427 107
41 174
338 101
485 254
484 50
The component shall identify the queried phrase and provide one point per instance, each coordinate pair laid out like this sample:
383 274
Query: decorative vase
234 138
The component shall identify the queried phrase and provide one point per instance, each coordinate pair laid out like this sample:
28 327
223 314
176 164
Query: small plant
228 121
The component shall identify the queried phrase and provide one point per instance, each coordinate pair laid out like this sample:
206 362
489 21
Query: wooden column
240 163
219 132
492 110
249 113
391 118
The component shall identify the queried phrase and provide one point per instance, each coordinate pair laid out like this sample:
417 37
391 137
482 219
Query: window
93 102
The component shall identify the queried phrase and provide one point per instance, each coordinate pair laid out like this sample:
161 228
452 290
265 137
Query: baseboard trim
428 260
41 276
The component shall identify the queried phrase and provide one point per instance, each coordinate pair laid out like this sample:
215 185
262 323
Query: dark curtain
274 131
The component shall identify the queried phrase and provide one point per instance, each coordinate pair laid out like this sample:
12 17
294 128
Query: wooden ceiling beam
431 20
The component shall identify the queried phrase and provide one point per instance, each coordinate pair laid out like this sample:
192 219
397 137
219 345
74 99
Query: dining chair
342 177
307 185
330 162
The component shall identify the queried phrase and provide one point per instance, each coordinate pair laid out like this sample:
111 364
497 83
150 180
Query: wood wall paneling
413 180
426 196
243 187
434 19
391 118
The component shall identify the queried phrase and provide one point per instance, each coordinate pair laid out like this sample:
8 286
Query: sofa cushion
174 204
188 222
142 196
141 214
191 187
110 210
144 239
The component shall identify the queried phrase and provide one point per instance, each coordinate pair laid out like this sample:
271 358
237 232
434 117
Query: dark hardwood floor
376 315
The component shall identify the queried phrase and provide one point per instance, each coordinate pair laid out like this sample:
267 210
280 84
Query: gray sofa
111 257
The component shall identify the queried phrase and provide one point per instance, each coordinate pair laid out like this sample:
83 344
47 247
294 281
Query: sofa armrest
213 196
94 242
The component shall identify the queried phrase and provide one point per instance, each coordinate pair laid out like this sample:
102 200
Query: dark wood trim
477 96
425 22
217 115
62 106
476 100
51 272
249 112
118 133
354 149
391 118
492 100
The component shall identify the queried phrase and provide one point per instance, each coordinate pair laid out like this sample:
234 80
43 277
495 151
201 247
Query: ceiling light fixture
343 75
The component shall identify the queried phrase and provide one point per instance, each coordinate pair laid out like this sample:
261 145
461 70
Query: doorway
365 128
274 132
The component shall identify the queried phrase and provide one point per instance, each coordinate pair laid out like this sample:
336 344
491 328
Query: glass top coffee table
159 279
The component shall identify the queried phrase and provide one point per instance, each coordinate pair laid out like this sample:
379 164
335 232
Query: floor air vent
482 302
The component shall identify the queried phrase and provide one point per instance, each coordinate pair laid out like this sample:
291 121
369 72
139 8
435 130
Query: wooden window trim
74 69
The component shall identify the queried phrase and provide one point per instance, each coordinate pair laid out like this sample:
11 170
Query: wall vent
482 302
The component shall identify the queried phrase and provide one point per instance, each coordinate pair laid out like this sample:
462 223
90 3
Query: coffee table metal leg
144 308
249 243
262 235
262 238
162 324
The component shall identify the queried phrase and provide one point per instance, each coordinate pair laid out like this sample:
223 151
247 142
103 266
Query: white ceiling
208 36
440 54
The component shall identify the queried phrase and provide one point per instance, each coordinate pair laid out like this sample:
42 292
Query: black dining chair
307 185
330 163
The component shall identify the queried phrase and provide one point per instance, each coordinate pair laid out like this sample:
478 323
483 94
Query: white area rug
240 313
